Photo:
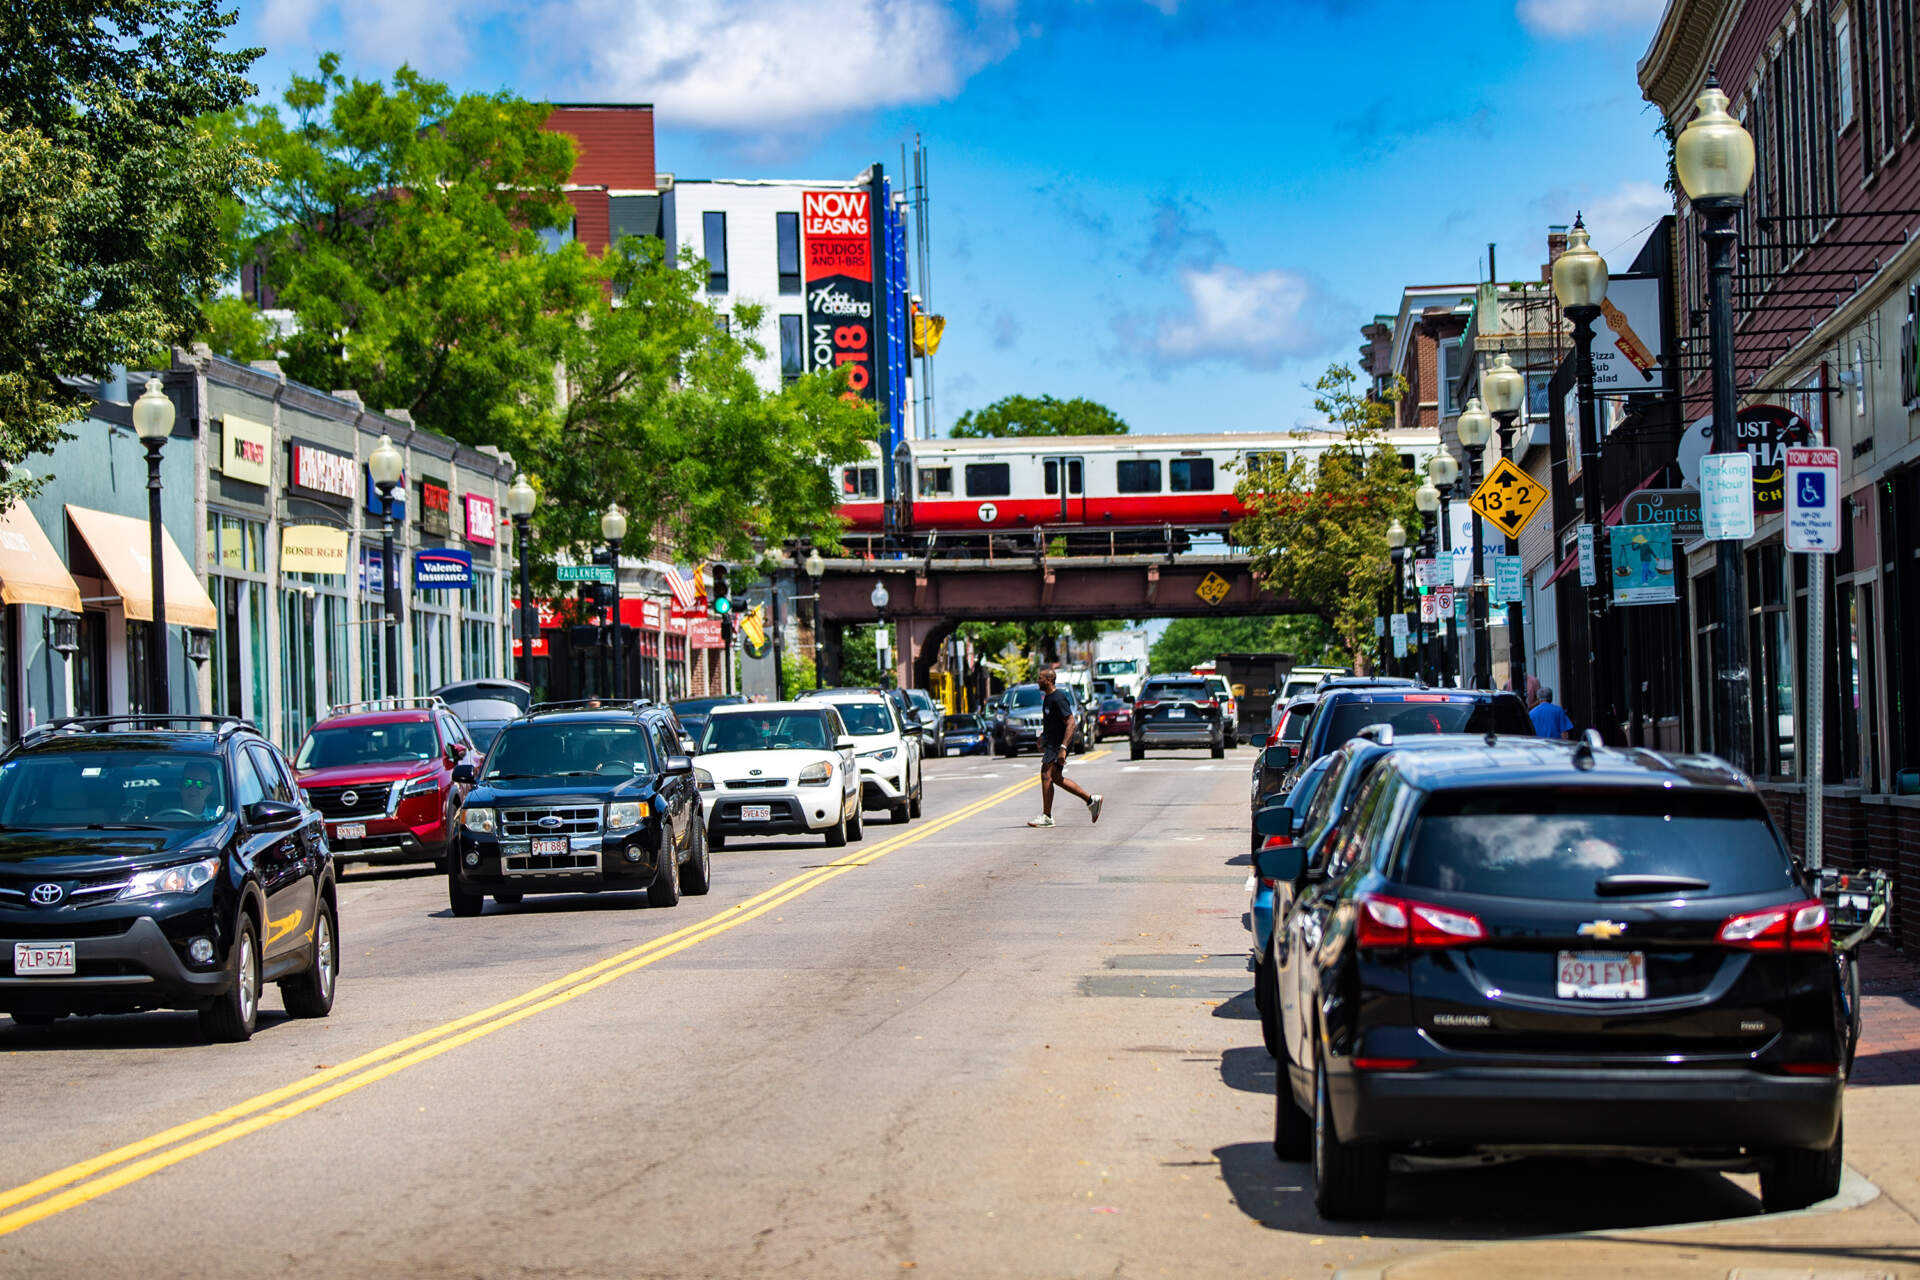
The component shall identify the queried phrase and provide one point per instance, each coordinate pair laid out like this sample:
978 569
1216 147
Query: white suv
889 756
778 768
1229 708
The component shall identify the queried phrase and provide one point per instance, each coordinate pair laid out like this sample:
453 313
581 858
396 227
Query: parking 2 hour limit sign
1813 500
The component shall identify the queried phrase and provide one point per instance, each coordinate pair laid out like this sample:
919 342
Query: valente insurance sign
838 230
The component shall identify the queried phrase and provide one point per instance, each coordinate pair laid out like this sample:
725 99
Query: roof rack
589 704
432 702
221 725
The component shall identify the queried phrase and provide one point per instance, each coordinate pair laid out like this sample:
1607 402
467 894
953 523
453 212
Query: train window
1074 475
1074 484
936 482
861 482
1138 476
989 480
1191 475
1053 476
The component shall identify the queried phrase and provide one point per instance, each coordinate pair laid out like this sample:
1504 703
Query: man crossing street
1056 733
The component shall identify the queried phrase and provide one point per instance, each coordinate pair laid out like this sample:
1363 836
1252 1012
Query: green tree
1187 642
1042 416
110 190
1317 524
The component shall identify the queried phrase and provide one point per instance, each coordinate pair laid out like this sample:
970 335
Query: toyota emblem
349 798
46 895
550 822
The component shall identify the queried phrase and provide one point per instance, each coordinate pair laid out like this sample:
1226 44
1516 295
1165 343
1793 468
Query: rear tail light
1401 922
1800 926
1144 703
1810 1068
1384 1064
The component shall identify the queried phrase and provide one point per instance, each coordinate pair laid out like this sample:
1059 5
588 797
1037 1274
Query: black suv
1542 947
161 862
578 797
1350 706
1177 711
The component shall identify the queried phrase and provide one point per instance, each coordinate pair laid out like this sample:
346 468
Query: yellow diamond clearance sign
1508 497
1213 588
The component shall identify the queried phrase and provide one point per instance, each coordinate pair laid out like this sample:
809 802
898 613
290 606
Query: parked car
968 735
1559 948
1345 709
1267 905
1177 711
693 712
778 768
161 862
1273 769
485 706
1024 723
930 719
381 773
579 797
1113 719
887 751
1305 680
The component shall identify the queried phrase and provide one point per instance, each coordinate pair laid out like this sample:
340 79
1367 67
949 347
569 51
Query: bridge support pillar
829 643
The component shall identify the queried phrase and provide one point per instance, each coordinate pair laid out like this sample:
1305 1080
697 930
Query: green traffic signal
722 605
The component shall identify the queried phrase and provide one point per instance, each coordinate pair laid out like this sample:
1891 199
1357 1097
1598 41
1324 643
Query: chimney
1556 245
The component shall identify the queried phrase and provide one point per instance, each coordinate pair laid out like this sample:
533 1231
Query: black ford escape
161 862
578 797
1556 949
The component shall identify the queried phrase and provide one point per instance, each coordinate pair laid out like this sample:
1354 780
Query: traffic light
718 599
595 596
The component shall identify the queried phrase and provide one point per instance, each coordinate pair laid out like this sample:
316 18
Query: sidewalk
1880 1238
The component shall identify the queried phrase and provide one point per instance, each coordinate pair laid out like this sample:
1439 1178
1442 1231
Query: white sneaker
1093 806
1043 820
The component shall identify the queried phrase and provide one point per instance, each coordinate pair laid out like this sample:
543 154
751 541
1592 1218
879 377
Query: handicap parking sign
1813 516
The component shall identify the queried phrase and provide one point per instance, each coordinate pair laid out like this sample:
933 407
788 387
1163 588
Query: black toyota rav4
163 862
578 797
1550 948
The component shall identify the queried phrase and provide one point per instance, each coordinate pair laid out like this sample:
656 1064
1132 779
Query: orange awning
114 548
30 569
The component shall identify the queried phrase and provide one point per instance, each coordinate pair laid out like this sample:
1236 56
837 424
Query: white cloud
428 34
1580 17
1257 319
749 66
1620 220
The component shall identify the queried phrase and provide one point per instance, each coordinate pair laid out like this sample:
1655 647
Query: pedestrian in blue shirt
1550 720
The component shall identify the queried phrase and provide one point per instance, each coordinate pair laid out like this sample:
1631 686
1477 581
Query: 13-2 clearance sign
838 231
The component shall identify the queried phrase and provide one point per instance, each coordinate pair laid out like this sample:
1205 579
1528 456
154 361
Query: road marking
94 1177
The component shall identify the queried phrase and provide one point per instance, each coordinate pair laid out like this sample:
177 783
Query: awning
30 569
113 548
1612 518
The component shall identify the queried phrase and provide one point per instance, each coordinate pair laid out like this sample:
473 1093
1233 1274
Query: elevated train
1090 494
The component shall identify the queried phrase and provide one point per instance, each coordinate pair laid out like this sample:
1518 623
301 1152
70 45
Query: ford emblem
550 822
349 798
46 895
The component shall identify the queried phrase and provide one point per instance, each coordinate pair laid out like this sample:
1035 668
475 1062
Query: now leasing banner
838 230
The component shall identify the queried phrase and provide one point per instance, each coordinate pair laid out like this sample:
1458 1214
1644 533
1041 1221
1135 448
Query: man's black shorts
1053 755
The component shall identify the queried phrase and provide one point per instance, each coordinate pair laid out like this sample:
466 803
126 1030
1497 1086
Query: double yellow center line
63 1189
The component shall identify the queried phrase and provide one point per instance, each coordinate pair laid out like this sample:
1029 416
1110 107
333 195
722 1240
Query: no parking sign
1813 500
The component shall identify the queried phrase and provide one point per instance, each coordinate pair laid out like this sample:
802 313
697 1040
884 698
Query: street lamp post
153 423
1427 499
1396 554
878 599
1714 158
816 568
613 527
1442 471
385 465
1504 390
1580 284
521 499
1475 427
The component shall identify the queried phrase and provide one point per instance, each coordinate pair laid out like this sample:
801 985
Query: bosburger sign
838 229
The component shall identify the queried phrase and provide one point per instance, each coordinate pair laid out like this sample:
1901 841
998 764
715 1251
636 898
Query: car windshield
407 742
962 723
111 788
768 731
1294 727
1430 713
483 732
921 699
536 749
865 719
1585 845
1025 696
700 706
498 710
1112 704
1115 666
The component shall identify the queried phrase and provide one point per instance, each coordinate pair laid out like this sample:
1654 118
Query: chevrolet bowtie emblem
1602 929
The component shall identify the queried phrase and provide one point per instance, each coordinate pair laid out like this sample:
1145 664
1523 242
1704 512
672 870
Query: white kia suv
778 768
889 754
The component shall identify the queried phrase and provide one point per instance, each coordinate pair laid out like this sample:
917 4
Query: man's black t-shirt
1058 709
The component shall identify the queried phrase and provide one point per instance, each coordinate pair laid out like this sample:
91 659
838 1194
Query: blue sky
1182 208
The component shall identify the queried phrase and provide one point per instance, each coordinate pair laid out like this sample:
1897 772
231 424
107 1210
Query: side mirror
1284 863
1279 756
1274 820
463 772
456 751
843 743
689 746
273 815
679 766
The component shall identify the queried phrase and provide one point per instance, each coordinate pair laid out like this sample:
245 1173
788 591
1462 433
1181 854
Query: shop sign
243 450
1678 509
704 633
375 507
1626 339
313 548
1642 562
442 569
324 472
482 522
1764 431
372 571
436 508
539 647
838 229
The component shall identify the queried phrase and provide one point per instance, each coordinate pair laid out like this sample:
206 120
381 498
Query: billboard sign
1627 346
837 228
1642 562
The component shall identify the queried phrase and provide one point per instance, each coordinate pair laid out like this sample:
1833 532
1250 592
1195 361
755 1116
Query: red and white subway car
1098 491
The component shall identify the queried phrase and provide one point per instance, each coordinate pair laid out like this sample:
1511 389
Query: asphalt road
965 1048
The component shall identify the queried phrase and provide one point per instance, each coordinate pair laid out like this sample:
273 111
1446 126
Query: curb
1855 1191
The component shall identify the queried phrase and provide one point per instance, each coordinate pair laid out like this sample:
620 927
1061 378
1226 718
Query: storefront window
240 648
479 634
432 650
374 638
313 644
1770 642
1846 650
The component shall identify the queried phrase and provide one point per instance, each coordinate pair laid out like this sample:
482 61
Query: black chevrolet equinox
161 862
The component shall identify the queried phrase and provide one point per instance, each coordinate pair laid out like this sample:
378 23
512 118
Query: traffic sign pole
1813 528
